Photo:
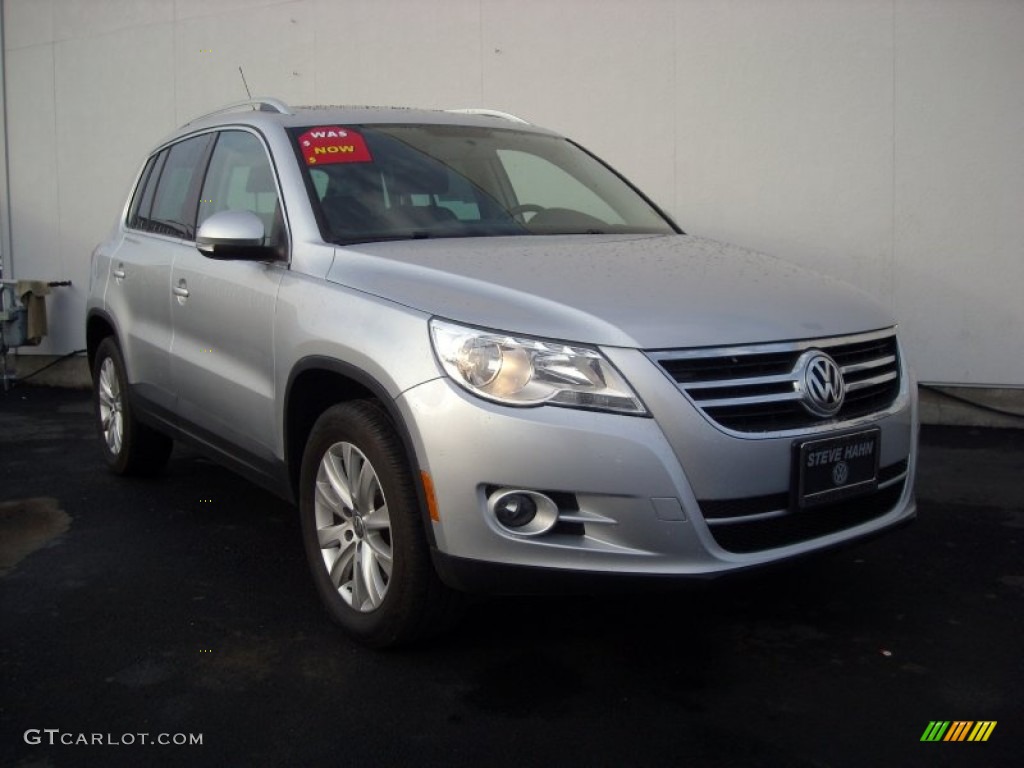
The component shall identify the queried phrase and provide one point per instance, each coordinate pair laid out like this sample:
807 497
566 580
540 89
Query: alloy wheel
111 406
353 527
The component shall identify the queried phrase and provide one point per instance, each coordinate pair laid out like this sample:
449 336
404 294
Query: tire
364 532
129 447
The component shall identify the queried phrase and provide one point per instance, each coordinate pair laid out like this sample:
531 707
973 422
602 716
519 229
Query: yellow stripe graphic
982 730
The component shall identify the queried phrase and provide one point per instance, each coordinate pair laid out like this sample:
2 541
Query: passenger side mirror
235 235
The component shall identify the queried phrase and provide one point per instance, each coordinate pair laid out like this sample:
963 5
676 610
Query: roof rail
259 104
489 113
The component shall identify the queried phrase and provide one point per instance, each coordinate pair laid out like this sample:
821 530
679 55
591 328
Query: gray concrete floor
181 604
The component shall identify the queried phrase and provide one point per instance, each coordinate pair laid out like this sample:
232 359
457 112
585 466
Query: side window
241 178
142 198
170 213
320 182
537 181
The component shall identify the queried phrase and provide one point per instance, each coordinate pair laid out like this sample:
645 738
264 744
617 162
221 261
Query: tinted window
170 212
241 178
142 203
383 182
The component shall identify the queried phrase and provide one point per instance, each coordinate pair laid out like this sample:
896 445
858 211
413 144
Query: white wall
877 140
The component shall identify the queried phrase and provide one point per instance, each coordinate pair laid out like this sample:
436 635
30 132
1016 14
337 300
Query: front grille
757 388
794 527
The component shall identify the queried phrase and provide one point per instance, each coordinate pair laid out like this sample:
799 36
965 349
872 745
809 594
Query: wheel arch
315 384
98 326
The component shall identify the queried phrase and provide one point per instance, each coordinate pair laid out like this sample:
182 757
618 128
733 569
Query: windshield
396 182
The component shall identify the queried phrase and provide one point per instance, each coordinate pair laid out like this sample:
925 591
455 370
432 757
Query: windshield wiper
417 234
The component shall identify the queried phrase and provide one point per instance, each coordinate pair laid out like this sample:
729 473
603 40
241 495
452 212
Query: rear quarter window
142 201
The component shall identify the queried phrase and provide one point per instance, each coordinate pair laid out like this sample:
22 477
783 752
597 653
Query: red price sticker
331 144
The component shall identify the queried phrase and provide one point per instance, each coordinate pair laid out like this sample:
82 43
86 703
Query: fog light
515 510
527 513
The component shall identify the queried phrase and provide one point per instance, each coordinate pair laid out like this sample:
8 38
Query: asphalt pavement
179 609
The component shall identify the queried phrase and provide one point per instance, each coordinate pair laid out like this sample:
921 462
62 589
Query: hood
646 291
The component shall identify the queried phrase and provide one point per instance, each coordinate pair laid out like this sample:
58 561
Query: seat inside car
415 188
354 200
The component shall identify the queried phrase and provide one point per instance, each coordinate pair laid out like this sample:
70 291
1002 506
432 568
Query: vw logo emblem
822 384
840 473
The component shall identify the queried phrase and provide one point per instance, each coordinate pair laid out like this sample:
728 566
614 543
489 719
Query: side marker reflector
428 491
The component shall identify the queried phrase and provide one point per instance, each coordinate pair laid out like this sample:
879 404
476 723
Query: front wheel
129 446
363 531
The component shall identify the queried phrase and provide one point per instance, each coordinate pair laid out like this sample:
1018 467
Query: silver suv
480 360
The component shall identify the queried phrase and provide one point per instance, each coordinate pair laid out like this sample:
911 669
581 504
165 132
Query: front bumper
630 489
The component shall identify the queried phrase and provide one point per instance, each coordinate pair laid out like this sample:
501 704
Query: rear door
138 295
222 363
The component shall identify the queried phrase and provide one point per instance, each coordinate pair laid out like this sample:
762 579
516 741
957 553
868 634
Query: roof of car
270 111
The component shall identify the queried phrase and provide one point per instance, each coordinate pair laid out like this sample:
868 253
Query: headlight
520 371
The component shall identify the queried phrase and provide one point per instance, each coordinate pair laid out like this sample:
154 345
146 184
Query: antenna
244 83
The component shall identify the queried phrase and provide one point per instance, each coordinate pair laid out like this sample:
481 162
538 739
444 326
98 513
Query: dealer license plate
837 467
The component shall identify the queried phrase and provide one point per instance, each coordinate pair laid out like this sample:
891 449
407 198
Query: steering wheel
519 210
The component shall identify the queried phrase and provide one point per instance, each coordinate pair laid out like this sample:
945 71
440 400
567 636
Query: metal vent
732 511
760 388
761 533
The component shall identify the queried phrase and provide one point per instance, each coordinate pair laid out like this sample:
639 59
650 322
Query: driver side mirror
236 235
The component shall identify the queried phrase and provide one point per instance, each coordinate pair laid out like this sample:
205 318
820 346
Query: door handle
118 272
180 290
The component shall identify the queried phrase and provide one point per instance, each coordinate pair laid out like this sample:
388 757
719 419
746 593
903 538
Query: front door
222 361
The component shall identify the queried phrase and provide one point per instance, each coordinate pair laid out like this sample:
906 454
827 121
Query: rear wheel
129 447
363 531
